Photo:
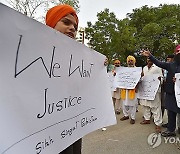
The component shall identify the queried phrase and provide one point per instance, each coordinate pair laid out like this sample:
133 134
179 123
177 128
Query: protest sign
127 77
111 80
52 88
148 87
177 89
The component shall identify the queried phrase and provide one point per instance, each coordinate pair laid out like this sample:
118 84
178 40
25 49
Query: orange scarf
131 93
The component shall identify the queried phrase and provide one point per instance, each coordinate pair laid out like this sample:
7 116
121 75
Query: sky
90 8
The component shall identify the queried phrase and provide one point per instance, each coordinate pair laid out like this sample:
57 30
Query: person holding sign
64 19
116 93
129 98
170 100
153 106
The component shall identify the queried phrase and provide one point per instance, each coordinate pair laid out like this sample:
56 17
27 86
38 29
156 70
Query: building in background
81 35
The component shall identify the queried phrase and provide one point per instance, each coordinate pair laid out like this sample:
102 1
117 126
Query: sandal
145 122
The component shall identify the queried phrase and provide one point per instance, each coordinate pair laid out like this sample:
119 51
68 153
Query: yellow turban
131 58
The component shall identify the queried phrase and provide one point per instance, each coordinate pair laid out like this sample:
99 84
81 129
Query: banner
127 77
177 88
52 88
148 87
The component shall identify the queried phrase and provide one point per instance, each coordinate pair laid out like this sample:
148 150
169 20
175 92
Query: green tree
32 7
153 28
101 35
110 36
124 40
157 28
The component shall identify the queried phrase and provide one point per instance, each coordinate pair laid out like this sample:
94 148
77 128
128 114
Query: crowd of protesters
126 100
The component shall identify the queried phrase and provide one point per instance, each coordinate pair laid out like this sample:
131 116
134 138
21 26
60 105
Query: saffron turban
131 58
177 48
56 13
117 61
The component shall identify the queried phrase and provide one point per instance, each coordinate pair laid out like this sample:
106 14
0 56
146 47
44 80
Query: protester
116 93
169 59
64 19
129 98
170 100
153 106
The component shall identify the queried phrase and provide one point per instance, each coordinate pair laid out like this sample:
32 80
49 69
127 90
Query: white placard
111 80
177 88
127 77
52 88
148 87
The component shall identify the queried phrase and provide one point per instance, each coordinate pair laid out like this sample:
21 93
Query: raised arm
157 62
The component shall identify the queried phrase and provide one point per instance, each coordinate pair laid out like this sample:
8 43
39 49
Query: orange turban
56 13
117 61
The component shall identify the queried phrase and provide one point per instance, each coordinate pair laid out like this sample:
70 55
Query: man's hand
106 62
145 53
159 78
174 79
142 74
114 72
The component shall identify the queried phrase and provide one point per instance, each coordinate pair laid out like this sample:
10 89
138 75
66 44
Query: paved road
125 138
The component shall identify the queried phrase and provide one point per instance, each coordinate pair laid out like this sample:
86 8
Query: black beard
177 58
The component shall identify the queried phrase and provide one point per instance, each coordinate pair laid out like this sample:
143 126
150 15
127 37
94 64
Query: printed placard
127 77
148 87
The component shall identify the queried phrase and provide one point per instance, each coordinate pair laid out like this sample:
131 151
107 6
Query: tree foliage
101 36
159 28
153 28
31 7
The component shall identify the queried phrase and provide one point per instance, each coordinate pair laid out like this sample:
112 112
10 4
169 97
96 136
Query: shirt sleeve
159 63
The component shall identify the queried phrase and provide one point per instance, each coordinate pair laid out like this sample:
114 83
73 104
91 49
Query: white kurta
116 96
153 70
117 92
155 105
